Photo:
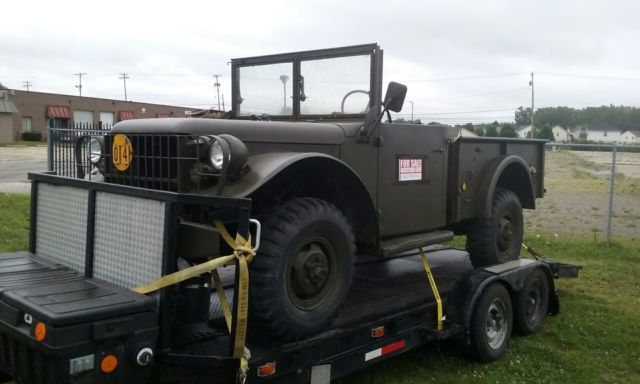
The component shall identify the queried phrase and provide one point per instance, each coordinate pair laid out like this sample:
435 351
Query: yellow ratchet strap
434 287
243 254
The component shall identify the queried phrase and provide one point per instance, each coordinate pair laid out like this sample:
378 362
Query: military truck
332 179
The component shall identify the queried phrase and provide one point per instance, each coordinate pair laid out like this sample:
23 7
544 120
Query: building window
26 124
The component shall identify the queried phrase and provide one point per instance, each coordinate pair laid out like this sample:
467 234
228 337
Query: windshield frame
296 58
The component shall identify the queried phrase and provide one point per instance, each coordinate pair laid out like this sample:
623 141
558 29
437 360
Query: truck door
412 178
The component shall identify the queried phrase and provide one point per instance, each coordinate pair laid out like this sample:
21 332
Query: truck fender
510 172
278 170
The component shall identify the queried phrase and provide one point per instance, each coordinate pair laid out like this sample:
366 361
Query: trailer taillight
108 364
267 369
377 332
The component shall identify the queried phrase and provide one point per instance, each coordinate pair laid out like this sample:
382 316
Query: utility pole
79 86
217 85
284 79
124 77
532 107
411 101
223 108
27 84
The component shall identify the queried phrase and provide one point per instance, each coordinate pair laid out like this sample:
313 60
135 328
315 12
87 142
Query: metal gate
62 141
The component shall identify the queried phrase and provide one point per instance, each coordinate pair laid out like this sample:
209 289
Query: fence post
612 182
49 150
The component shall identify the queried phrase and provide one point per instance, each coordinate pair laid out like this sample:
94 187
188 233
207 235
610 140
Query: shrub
32 136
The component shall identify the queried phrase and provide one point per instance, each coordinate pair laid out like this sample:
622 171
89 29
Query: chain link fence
591 189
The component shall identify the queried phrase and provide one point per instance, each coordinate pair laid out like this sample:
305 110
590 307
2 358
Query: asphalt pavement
16 162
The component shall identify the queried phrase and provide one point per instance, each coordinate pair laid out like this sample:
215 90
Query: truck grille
159 162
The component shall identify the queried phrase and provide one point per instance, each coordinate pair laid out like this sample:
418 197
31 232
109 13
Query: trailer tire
491 324
302 272
498 238
531 303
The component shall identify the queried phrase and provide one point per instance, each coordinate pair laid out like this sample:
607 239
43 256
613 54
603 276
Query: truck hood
245 130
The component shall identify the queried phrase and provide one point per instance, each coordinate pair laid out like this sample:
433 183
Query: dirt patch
577 197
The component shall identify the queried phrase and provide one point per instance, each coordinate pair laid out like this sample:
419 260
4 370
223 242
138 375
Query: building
630 137
37 111
560 135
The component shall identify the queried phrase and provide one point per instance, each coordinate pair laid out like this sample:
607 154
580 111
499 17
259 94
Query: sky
463 61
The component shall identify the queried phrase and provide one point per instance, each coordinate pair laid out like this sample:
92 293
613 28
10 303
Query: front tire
491 324
499 238
303 270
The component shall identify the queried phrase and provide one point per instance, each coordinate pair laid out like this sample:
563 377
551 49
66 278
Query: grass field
594 339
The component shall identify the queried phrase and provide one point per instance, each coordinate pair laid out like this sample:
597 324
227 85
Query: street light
284 79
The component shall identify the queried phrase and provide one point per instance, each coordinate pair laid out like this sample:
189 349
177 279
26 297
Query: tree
544 133
479 130
508 130
492 130
523 116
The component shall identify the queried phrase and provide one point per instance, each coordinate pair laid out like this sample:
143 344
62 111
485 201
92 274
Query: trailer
72 321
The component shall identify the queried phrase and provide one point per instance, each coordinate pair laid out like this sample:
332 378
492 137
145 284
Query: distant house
603 133
560 135
523 131
630 137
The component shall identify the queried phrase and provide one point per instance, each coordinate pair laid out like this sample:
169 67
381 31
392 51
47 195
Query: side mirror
394 99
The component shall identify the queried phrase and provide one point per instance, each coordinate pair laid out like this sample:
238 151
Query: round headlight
95 150
216 155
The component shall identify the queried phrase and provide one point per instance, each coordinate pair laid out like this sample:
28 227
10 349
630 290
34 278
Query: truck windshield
327 86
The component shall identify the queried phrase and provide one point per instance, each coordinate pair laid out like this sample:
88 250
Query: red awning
58 112
125 115
162 115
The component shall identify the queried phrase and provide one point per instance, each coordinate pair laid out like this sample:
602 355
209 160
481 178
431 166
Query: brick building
26 111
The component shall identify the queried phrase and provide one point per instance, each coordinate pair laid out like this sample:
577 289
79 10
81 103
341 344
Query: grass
594 339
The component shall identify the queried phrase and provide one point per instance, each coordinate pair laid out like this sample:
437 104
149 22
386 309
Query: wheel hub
310 273
505 233
496 327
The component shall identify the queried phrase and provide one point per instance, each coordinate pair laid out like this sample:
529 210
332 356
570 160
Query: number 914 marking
121 152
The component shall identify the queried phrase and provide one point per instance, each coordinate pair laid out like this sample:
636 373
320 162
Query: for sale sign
410 169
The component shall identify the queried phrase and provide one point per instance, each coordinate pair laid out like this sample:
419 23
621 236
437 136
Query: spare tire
302 272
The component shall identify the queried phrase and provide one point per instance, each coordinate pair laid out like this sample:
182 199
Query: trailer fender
286 175
509 172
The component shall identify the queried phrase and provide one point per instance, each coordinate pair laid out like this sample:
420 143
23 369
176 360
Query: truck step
397 245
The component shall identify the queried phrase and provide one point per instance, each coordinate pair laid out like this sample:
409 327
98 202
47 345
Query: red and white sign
409 169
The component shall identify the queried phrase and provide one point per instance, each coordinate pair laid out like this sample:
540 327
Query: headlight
95 150
216 155
228 152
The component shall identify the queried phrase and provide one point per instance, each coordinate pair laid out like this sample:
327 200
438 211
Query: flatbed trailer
58 325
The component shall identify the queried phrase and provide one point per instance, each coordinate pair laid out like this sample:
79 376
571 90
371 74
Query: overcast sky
462 61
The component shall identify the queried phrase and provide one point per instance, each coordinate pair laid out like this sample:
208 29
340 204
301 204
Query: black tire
302 272
532 303
499 238
491 324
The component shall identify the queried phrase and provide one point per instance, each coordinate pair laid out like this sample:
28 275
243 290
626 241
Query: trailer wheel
491 324
499 238
302 272
532 303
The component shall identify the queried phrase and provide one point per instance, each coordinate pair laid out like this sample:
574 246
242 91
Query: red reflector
377 332
393 347
267 369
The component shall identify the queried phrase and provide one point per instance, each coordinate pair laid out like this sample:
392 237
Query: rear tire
491 324
532 303
499 238
302 273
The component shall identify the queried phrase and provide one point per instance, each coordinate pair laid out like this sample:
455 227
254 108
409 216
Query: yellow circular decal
121 152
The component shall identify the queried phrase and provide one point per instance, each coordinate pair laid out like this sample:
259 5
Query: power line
475 95
462 77
594 77
27 84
